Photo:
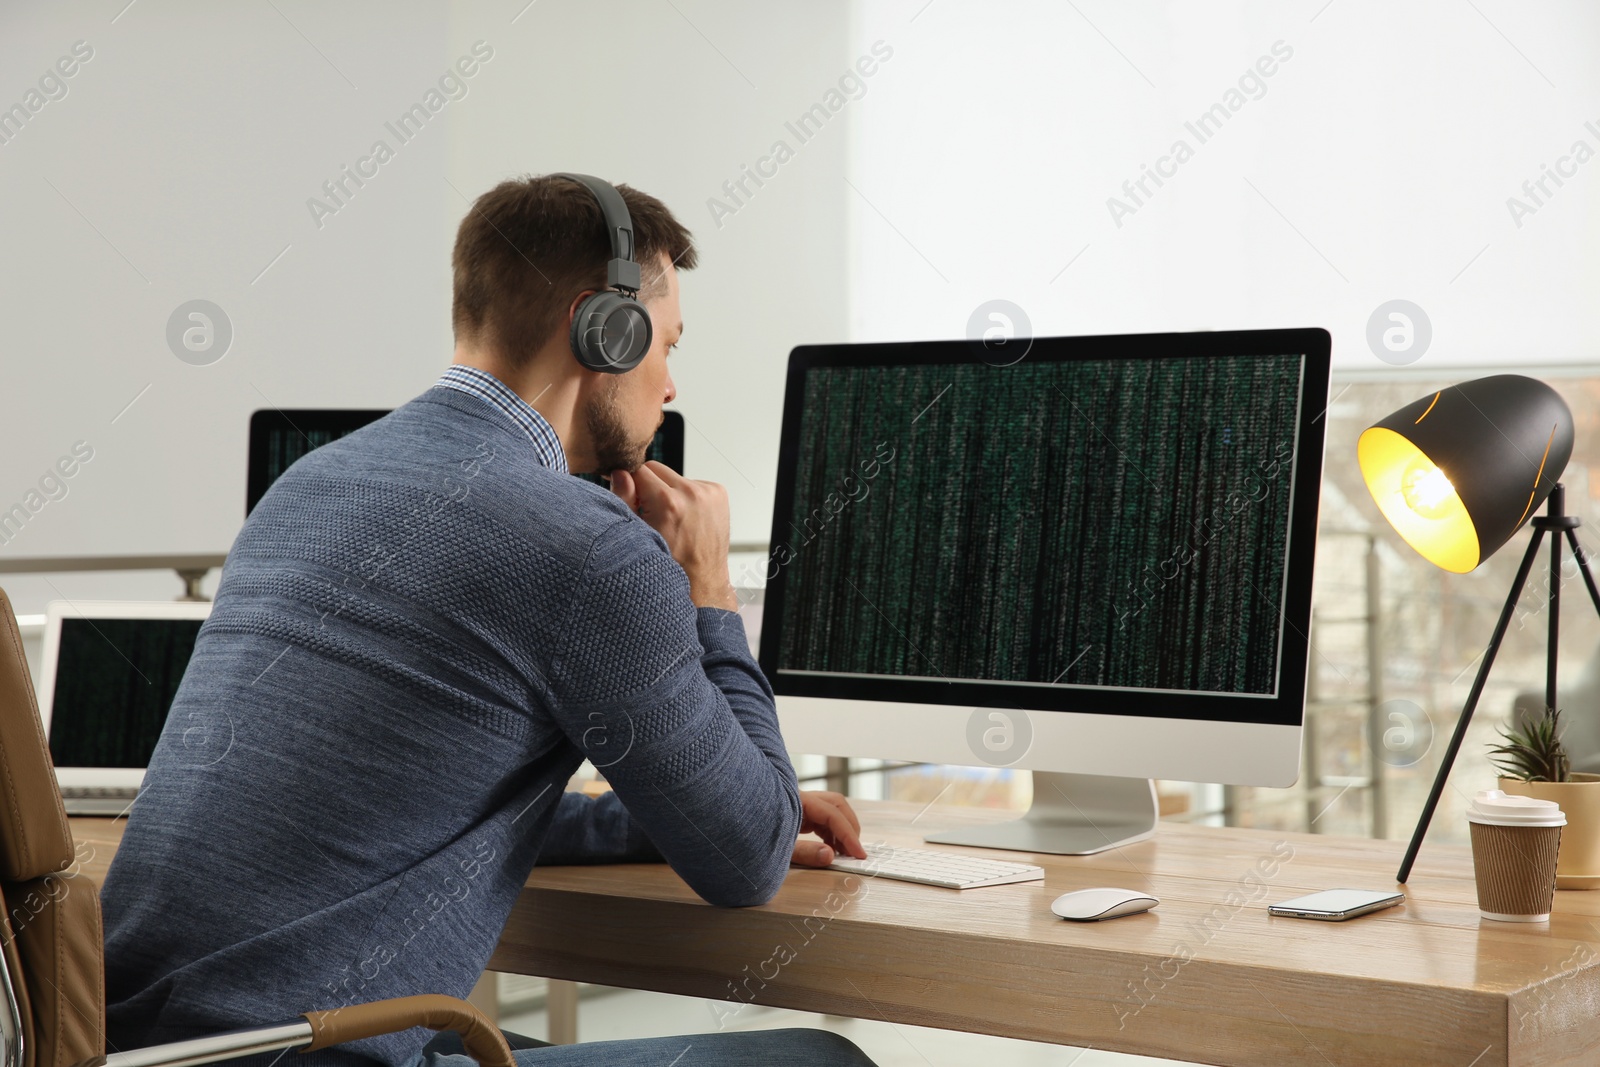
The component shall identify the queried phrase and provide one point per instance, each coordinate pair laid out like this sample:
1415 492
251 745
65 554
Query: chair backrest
52 975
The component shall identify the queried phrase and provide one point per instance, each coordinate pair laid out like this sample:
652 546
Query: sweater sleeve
664 699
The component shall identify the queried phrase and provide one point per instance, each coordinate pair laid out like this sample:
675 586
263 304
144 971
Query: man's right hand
692 517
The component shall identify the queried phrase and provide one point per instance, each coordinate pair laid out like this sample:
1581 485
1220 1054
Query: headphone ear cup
611 333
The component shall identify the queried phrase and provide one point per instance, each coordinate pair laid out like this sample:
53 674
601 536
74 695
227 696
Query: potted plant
1533 763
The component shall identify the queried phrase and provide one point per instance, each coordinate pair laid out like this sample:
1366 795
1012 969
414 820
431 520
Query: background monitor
278 438
666 447
1096 560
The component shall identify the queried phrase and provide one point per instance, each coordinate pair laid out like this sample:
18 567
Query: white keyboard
952 870
98 800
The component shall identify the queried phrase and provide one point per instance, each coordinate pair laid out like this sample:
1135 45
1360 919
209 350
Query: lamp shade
1459 471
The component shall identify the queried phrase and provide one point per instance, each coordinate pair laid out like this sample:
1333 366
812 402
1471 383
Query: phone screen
1336 904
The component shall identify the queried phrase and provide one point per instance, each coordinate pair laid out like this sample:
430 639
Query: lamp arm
1558 508
1583 565
1471 706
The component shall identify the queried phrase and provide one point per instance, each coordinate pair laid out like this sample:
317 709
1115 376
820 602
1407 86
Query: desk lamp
1457 473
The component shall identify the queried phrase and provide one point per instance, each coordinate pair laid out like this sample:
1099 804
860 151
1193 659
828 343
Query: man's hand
828 815
692 516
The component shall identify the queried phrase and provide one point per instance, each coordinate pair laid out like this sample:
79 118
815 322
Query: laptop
109 672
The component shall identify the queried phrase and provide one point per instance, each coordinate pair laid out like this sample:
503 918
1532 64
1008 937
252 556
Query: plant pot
1578 864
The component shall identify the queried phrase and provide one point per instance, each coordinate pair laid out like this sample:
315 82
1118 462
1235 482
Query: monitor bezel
1285 708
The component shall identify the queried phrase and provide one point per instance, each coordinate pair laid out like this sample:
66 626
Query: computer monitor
1093 562
278 438
665 447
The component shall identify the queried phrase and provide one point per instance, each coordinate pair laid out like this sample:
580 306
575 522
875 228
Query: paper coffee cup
1515 841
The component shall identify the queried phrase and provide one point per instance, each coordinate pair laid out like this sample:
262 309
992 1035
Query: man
420 633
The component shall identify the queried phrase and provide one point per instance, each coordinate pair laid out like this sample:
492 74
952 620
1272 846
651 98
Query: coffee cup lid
1492 807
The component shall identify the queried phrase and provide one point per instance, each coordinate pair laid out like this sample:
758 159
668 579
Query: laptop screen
115 681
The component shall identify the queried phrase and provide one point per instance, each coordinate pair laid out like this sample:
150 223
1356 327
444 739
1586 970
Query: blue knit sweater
419 634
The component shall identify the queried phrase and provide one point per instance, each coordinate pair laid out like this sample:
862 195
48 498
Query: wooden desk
1208 976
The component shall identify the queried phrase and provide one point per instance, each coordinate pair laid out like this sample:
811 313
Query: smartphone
1336 905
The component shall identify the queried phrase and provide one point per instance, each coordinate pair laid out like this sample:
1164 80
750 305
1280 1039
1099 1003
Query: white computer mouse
1092 905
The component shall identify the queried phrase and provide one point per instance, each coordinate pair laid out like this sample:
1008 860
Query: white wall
178 166
1376 164
676 100
976 162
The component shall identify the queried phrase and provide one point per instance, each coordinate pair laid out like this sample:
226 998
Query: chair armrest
321 1029
225 1046
482 1039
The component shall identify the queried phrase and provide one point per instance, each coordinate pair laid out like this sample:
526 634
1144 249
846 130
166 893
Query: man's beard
608 434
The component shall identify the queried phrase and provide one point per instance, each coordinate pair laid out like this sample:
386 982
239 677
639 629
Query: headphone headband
611 331
622 272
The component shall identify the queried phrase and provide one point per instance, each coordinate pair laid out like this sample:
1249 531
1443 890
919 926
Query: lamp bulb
1426 490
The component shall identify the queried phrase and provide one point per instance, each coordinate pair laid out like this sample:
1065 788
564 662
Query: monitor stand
1071 815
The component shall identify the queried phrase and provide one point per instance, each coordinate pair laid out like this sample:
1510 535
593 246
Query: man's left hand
829 816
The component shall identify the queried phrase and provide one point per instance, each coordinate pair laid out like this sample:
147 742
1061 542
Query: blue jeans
753 1048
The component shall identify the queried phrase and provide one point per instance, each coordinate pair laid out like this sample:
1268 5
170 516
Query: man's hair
529 246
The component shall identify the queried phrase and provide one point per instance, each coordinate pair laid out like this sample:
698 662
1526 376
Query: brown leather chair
52 977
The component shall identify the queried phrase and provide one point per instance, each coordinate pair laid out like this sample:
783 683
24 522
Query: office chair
52 975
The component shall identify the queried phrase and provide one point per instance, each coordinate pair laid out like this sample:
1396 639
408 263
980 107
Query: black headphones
611 331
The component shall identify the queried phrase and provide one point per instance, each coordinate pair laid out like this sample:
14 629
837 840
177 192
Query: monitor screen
665 447
278 438
114 684
1103 526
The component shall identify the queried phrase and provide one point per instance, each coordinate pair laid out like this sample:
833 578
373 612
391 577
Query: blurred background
1106 167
